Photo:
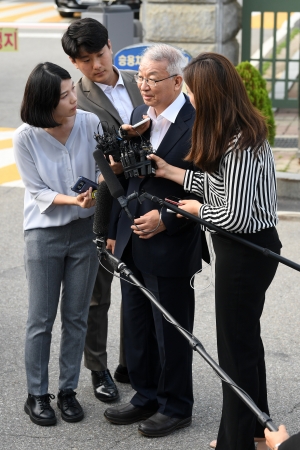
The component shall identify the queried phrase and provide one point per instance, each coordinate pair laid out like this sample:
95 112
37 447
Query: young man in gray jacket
111 95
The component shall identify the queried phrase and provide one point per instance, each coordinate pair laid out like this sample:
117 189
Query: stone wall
194 25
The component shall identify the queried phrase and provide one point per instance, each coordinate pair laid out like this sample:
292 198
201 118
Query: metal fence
271 42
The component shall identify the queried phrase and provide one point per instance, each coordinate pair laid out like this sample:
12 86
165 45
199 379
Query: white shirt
162 123
48 168
119 97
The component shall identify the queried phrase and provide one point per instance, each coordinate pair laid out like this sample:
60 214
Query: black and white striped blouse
241 196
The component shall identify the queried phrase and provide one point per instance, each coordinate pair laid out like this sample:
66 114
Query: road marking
31 15
23 8
5 6
29 12
9 175
6 157
5 143
7 131
43 17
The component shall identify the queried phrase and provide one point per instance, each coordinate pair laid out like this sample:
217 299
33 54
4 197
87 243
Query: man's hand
110 245
276 437
135 132
116 167
147 223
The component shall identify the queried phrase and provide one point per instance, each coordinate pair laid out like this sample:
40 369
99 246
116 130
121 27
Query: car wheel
65 14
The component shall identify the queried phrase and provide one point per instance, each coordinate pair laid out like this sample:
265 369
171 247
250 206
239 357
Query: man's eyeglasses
149 81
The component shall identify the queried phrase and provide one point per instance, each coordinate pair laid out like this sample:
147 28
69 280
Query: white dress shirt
119 97
48 168
162 123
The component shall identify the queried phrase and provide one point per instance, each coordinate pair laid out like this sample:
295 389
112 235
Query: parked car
67 8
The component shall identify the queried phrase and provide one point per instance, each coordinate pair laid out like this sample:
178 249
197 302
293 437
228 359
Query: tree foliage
256 88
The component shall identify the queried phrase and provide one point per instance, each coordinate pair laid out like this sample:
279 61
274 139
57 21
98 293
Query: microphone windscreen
114 185
102 210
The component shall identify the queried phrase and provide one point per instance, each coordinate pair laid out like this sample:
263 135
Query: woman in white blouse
237 182
52 148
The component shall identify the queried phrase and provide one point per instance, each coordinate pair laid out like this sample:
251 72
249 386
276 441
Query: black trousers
95 352
159 358
242 277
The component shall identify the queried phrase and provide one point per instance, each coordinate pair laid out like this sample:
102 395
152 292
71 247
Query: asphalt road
279 322
280 330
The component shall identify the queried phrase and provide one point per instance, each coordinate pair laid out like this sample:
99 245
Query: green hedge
256 88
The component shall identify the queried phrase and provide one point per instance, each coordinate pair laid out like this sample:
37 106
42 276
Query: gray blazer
91 98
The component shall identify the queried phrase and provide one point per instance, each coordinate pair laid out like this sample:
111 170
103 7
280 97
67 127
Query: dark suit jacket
91 98
177 250
293 443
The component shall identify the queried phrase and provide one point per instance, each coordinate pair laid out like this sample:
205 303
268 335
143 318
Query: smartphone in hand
174 201
83 184
141 122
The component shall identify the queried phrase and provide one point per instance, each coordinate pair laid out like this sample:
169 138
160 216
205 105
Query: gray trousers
61 263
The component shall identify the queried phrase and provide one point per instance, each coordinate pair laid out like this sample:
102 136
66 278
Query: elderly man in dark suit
163 252
111 95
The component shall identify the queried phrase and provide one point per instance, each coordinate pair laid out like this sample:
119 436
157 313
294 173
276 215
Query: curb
285 149
289 215
288 185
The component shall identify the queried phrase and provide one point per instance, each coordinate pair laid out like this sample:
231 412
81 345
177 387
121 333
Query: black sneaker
104 386
70 408
121 374
39 410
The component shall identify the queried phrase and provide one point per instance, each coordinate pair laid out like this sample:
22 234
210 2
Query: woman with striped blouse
237 182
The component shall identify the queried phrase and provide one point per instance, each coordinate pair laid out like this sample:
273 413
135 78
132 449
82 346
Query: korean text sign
9 40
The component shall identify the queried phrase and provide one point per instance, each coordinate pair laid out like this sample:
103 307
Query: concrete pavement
280 330
286 152
286 127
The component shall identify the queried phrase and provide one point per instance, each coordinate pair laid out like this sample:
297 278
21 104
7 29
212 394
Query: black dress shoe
39 410
104 386
121 374
71 410
126 414
160 425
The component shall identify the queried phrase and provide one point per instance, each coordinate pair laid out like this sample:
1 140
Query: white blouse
48 168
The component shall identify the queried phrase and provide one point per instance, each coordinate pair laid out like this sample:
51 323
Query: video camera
132 155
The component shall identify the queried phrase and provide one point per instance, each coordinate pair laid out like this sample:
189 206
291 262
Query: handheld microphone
102 210
113 184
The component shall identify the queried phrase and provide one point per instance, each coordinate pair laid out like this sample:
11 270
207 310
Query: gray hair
174 56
